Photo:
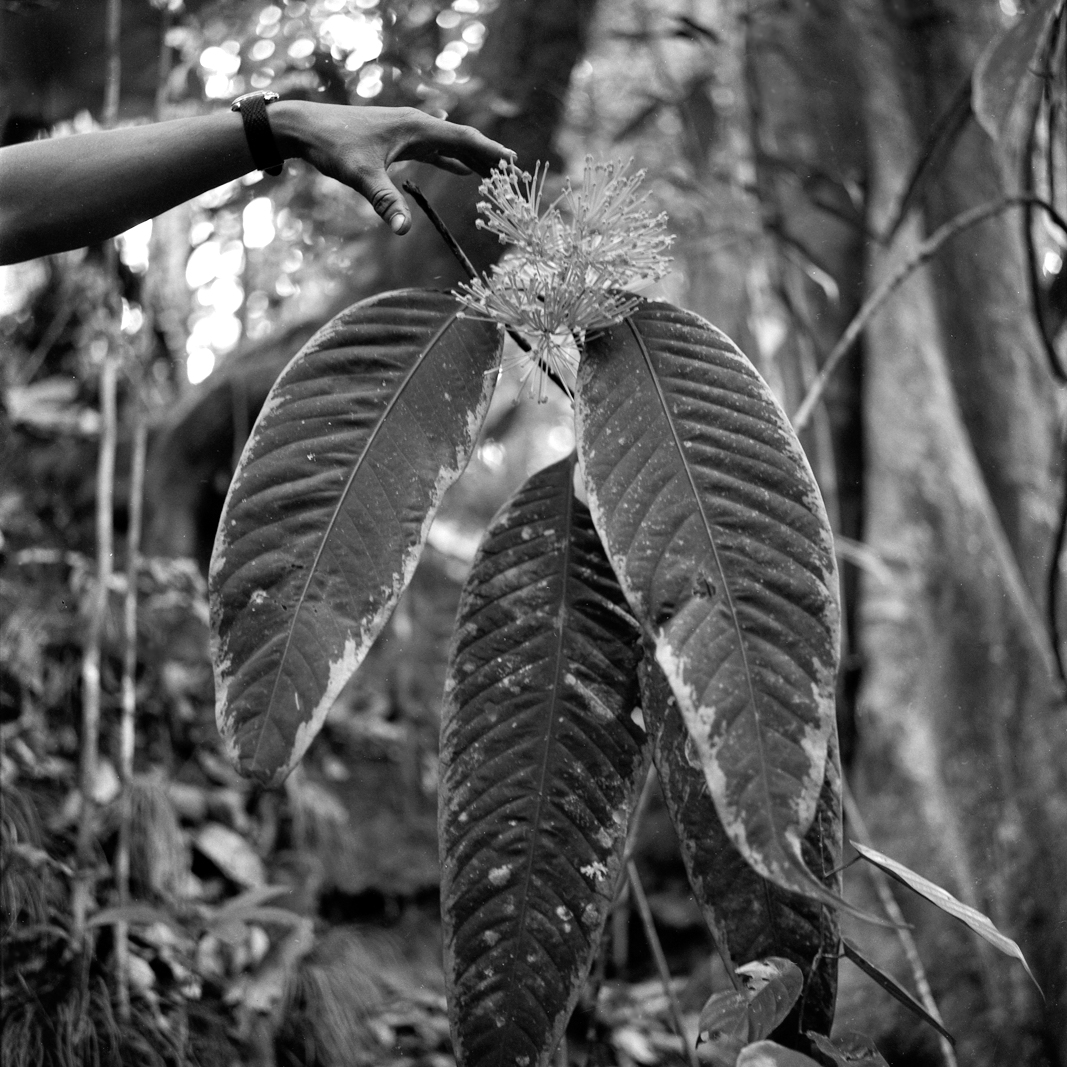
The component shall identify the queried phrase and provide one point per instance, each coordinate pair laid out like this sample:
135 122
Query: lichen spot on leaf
499 876
595 871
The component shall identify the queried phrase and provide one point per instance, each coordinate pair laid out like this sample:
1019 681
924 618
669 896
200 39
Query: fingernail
396 222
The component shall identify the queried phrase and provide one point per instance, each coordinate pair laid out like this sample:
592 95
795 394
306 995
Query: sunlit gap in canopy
213 273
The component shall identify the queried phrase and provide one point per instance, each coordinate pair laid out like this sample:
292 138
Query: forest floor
293 927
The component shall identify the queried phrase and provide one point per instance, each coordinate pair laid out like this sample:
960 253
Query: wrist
259 133
289 120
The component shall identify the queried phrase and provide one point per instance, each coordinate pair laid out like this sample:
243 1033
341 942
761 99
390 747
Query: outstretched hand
68 192
357 145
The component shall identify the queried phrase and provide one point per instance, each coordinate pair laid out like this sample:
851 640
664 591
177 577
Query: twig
129 694
90 739
661 961
1028 185
639 814
105 514
1055 586
822 456
49 338
894 914
620 925
620 910
439 225
1052 62
165 62
926 251
468 267
935 151
113 75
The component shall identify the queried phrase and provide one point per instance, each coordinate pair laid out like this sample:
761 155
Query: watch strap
253 110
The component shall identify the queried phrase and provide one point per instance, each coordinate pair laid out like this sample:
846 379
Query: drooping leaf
749 916
892 987
540 764
771 1054
944 900
1010 66
714 524
328 511
848 1048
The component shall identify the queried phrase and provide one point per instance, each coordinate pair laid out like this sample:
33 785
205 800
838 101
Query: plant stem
925 252
105 492
113 73
48 339
439 225
129 693
90 739
1056 584
1028 185
639 813
464 261
894 914
661 961
620 909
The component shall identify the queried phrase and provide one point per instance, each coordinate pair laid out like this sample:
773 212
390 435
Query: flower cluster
569 264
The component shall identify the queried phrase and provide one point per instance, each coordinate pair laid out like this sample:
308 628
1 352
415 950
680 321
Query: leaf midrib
668 416
550 742
342 497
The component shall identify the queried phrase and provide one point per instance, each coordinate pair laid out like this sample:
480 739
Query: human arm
72 191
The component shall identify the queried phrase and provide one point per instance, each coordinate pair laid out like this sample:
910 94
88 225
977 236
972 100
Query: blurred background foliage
299 926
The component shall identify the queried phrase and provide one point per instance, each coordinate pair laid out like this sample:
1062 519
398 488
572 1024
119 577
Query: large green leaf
715 527
328 511
750 917
540 764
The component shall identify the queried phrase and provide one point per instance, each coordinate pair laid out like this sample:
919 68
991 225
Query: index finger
467 144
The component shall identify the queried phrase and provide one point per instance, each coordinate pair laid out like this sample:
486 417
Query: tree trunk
810 151
962 761
959 754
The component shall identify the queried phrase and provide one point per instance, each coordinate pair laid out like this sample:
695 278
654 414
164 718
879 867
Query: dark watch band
253 111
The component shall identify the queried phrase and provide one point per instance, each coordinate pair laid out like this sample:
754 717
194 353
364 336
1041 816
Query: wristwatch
252 108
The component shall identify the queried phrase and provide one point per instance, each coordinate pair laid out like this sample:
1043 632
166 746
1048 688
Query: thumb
389 203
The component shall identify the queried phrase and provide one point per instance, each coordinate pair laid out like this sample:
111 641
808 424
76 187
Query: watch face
268 96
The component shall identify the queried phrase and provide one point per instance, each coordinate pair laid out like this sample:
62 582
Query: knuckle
380 199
